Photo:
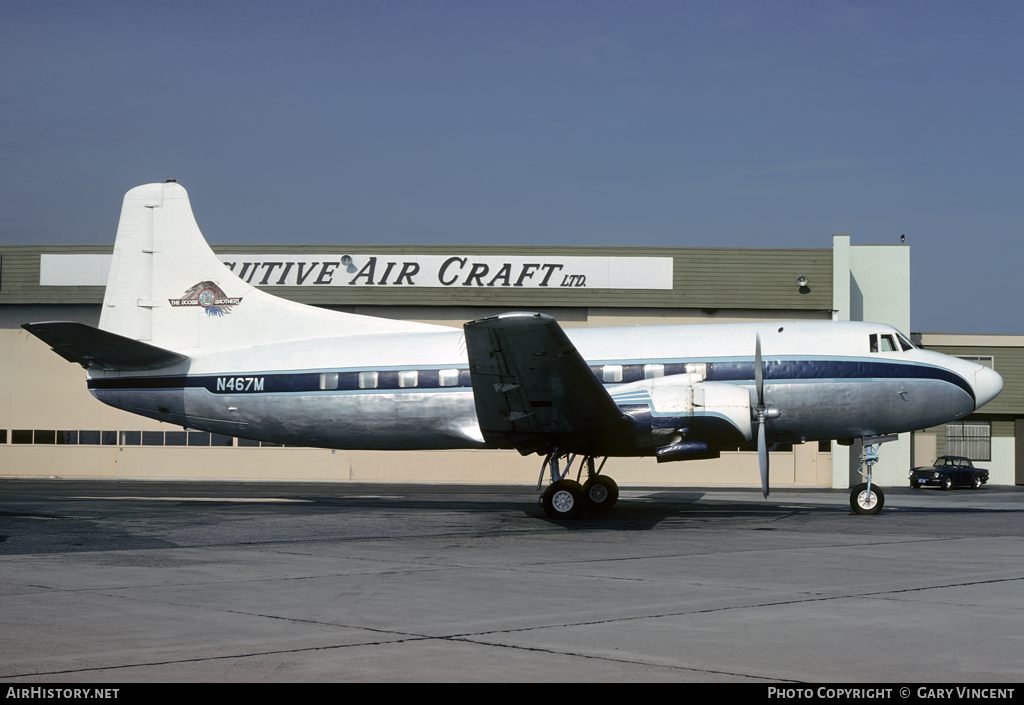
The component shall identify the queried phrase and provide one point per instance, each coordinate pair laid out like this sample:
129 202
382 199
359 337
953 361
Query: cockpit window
883 343
904 343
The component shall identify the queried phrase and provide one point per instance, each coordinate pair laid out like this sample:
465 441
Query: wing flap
529 380
96 349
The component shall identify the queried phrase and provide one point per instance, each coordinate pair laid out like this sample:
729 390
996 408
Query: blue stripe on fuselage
797 370
735 371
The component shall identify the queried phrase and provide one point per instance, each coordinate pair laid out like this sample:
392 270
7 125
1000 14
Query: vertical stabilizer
167 287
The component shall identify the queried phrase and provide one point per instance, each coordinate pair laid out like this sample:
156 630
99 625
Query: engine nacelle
685 416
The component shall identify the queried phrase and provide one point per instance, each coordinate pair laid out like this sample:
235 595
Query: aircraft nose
987 384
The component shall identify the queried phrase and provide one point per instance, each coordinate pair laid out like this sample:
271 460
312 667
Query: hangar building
51 426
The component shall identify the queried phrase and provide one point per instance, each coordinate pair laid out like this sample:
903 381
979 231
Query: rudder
166 287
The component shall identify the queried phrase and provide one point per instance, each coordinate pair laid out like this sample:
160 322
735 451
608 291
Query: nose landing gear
866 498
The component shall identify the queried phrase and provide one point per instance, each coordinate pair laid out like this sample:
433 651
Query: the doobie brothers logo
209 296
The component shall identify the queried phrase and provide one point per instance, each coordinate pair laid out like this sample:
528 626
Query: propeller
763 412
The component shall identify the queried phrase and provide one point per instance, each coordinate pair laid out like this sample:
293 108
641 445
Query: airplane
183 340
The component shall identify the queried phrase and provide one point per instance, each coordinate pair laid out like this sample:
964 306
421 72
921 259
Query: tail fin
167 287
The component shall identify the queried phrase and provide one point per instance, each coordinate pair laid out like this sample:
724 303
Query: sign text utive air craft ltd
454 271
404 270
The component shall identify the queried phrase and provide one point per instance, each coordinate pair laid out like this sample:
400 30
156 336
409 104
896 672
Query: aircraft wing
96 349
529 381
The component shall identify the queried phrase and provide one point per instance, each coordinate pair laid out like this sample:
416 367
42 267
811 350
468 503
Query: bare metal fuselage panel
822 398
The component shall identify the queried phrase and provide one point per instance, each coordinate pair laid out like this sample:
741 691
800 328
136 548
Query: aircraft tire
600 492
861 503
563 500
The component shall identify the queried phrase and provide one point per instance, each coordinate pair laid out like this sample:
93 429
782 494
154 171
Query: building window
969 439
986 360
171 438
47 437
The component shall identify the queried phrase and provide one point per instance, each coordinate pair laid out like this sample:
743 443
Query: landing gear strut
567 499
866 498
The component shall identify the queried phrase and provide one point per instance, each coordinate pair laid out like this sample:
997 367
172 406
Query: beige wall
804 467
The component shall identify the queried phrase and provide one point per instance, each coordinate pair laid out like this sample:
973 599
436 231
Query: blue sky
732 124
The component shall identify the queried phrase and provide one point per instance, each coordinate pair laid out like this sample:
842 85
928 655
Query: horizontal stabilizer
529 379
96 349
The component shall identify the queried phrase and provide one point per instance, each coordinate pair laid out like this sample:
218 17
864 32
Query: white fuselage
413 390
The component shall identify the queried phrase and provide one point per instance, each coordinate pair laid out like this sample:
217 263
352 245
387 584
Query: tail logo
208 296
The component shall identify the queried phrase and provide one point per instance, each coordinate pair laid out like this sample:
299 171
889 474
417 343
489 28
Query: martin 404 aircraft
183 340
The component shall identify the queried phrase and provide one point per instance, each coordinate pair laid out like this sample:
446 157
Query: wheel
601 492
947 482
976 482
863 502
563 500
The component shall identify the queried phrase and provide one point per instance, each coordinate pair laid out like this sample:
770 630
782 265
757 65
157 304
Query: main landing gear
568 499
866 498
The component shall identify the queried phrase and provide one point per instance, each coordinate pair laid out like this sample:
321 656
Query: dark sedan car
948 472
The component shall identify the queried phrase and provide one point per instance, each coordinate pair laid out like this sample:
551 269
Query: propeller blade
762 458
758 371
762 443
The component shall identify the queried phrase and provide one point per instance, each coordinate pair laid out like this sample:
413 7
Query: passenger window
367 380
408 378
329 380
652 371
612 373
448 378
